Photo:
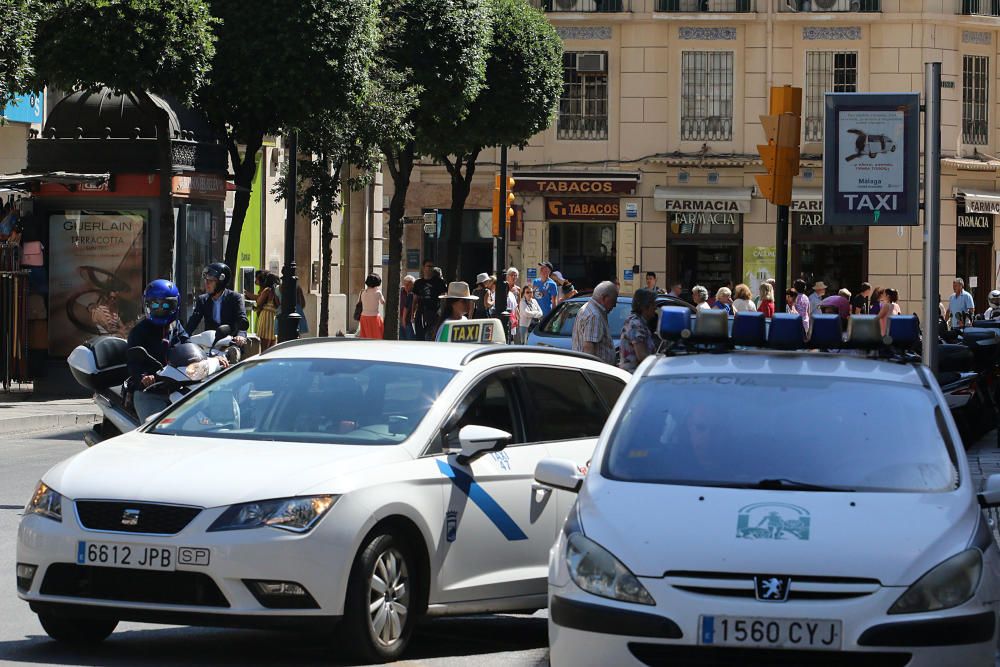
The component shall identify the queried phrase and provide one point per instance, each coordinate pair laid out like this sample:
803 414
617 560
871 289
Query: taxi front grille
111 583
123 516
741 585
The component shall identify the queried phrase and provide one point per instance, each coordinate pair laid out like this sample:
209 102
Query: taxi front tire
77 630
382 599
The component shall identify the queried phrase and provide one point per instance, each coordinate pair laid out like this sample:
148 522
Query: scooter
101 365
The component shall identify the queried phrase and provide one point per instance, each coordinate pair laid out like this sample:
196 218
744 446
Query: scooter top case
985 346
955 358
99 363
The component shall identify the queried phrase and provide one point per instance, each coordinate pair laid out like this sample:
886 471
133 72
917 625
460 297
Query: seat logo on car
771 588
130 517
772 521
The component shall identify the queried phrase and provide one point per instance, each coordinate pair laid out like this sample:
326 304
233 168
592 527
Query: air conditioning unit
591 62
835 5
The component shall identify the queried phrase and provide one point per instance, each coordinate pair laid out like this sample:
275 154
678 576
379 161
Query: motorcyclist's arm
136 369
196 316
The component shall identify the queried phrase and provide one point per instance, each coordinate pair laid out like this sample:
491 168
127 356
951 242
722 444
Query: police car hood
210 472
892 537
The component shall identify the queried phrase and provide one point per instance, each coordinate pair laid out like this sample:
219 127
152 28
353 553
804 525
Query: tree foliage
279 66
524 80
436 50
137 47
17 32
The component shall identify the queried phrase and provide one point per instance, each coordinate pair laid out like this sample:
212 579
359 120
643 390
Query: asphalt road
480 641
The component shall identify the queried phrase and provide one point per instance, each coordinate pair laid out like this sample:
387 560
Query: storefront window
975 249
197 253
584 252
705 248
835 254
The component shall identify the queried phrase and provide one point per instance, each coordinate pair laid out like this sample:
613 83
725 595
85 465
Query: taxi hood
209 472
892 537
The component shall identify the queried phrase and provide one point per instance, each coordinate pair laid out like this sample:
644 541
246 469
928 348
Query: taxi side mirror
990 496
560 474
475 441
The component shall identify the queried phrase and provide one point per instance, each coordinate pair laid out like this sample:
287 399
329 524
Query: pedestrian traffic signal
508 213
780 154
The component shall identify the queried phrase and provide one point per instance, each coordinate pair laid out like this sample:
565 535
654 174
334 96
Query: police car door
497 533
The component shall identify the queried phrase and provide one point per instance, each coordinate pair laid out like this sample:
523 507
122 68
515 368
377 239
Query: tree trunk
400 166
244 170
164 264
461 173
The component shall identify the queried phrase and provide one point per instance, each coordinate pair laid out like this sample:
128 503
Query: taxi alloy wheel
388 597
77 630
381 598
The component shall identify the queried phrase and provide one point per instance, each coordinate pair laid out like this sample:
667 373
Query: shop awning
27 181
681 199
979 201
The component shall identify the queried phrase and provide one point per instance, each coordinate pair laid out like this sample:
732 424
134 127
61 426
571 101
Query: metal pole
501 246
288 321
781 256
932 210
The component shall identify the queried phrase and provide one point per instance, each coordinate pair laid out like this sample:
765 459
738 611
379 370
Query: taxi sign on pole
871 158
472 331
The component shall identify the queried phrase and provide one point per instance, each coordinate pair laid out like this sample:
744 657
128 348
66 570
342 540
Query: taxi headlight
946 585
46 502
297 515
594 569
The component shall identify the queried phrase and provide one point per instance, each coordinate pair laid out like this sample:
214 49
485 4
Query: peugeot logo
771 588
130 517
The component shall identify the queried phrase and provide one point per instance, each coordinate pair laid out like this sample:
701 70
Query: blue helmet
162 301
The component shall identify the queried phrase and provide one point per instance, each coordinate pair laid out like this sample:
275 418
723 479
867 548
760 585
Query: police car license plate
132 556
801 633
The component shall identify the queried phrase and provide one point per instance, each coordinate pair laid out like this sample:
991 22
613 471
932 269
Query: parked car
350 485
556 328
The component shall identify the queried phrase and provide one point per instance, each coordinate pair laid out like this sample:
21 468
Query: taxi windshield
343 401
783 433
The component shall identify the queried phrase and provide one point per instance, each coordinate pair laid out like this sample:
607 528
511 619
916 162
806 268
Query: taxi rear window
737 430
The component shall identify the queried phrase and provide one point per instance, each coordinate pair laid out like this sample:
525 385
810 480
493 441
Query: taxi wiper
785 484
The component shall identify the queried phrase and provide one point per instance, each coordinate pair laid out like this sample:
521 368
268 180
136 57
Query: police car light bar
749 329
826 332
786 332
675 323
904 330
865 332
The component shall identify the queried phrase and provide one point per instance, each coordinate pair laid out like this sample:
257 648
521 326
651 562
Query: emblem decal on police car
772 521
771 588
130 517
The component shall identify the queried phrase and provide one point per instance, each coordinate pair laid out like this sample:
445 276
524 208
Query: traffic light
781 152
508 214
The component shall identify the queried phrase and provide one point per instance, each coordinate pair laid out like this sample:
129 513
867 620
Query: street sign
430 228
871 159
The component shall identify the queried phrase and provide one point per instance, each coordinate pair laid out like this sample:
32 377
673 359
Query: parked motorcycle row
969 375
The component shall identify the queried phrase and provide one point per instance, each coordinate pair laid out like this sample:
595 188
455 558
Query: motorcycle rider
993 312
156 334
220 305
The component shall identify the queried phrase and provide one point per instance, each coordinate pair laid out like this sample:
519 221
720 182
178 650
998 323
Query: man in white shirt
816 298
960 304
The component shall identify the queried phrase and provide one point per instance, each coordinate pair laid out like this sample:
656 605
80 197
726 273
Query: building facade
650 162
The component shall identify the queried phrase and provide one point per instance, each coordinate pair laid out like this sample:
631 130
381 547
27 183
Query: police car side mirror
475 441
990 496
559 473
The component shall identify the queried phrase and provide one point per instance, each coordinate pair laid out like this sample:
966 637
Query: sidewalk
984 459
22 413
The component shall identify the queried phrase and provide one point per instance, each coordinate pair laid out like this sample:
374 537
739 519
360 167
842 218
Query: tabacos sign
582 209
574 185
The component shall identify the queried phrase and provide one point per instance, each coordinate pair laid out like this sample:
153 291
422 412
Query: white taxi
349 484
763 508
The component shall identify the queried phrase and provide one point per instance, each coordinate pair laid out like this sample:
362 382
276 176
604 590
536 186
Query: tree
339 142
277 66
136 47
17 31
436 49
524 80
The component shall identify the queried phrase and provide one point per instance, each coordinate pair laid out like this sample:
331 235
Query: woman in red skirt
372 325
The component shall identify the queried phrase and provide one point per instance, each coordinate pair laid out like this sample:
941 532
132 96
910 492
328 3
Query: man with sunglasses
156 334
220 305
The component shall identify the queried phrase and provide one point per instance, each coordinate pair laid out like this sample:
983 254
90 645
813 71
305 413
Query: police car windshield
337 401
824 433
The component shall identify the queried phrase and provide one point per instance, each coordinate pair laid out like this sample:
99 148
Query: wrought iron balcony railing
584 6
981 7
718 6
711 128
830 6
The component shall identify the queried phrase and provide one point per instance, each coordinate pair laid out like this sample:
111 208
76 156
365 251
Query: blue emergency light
675 323
904 330
749 329
711 326
865 332
827 332
786 332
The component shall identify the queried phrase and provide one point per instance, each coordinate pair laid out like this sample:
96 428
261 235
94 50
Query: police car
351 484
775 507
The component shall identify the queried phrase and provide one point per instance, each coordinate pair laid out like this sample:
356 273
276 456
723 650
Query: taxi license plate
132 556
800 633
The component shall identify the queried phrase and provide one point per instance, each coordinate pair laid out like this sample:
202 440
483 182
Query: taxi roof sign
472 331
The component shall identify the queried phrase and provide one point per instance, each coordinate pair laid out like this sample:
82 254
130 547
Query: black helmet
220 272
181 355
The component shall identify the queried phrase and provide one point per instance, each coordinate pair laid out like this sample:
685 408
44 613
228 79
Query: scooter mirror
222 332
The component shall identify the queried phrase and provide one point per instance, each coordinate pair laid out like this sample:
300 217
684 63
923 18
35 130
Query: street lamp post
288 321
